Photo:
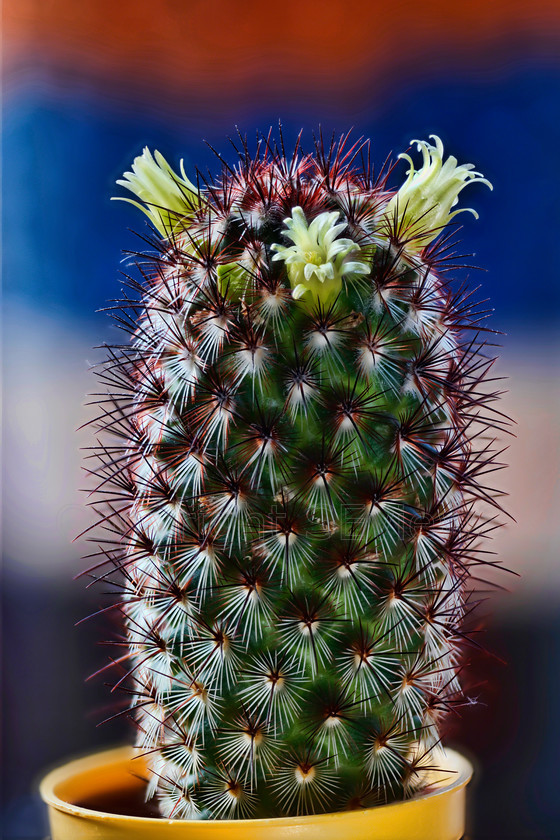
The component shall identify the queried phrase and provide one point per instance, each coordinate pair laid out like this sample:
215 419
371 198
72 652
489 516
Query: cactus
291 479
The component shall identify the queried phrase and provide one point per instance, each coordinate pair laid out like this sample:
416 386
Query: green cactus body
295 438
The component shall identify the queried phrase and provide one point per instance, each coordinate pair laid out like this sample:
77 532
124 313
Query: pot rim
456 764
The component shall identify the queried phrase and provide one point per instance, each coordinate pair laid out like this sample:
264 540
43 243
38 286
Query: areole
436 815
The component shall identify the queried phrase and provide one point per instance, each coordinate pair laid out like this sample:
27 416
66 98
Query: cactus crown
291 478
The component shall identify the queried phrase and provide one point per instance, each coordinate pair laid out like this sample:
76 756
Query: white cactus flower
167 197
423 204
317 261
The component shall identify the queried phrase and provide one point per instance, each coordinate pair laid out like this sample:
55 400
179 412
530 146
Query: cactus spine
291 470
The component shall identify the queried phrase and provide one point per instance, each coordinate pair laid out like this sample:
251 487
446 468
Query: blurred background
86 85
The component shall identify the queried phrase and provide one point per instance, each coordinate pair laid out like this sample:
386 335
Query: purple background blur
87 85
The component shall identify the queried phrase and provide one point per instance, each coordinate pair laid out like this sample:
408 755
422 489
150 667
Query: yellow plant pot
437 815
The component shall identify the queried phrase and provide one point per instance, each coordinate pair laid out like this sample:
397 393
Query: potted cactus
291 467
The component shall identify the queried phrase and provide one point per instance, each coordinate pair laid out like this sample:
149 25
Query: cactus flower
165 197
423 205
318 259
